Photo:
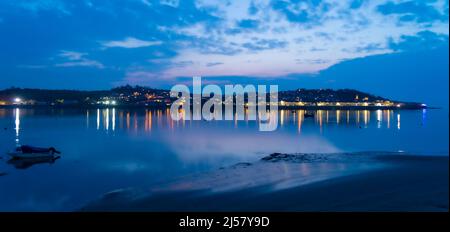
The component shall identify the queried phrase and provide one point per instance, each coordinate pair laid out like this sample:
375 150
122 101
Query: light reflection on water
17 124
106 149
323 123
106 118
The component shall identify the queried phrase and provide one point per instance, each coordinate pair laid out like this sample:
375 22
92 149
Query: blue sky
94 44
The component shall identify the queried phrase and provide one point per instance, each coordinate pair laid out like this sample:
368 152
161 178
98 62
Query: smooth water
107 149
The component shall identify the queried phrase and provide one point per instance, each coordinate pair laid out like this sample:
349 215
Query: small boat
29 152
308 115
21 155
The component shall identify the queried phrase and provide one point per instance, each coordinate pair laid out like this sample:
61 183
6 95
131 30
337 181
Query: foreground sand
302 182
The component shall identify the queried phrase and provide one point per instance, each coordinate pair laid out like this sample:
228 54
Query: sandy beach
370 181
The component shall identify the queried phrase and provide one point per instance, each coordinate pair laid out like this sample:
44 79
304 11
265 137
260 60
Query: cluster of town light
378 104
108 103
18 100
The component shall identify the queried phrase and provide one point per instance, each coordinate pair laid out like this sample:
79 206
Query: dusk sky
390 47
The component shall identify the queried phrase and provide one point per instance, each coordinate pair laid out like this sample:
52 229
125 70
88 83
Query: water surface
107 149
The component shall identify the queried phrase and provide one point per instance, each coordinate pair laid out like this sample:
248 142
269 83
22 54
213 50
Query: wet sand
381 182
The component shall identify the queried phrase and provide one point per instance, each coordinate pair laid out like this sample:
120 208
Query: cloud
420 11
355 4
319 33
172 3
244 26
248 23
372 48
130 42
253 9
81 63
316 49
423 40
71 55
211 45
264 38
211 64
324 35
181 64
313 61
306 12
264 44
77 59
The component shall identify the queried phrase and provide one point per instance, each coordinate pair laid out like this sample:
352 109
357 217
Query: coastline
366 181
370 108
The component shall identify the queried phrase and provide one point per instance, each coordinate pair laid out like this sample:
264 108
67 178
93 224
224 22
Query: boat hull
20 155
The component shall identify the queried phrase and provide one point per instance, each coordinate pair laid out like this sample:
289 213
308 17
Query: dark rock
296 158
241 165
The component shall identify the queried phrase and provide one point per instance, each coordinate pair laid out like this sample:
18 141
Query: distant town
138 96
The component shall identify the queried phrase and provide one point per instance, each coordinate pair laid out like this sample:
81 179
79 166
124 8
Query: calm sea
107 149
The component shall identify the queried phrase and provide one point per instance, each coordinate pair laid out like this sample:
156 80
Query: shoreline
370 108
364 181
